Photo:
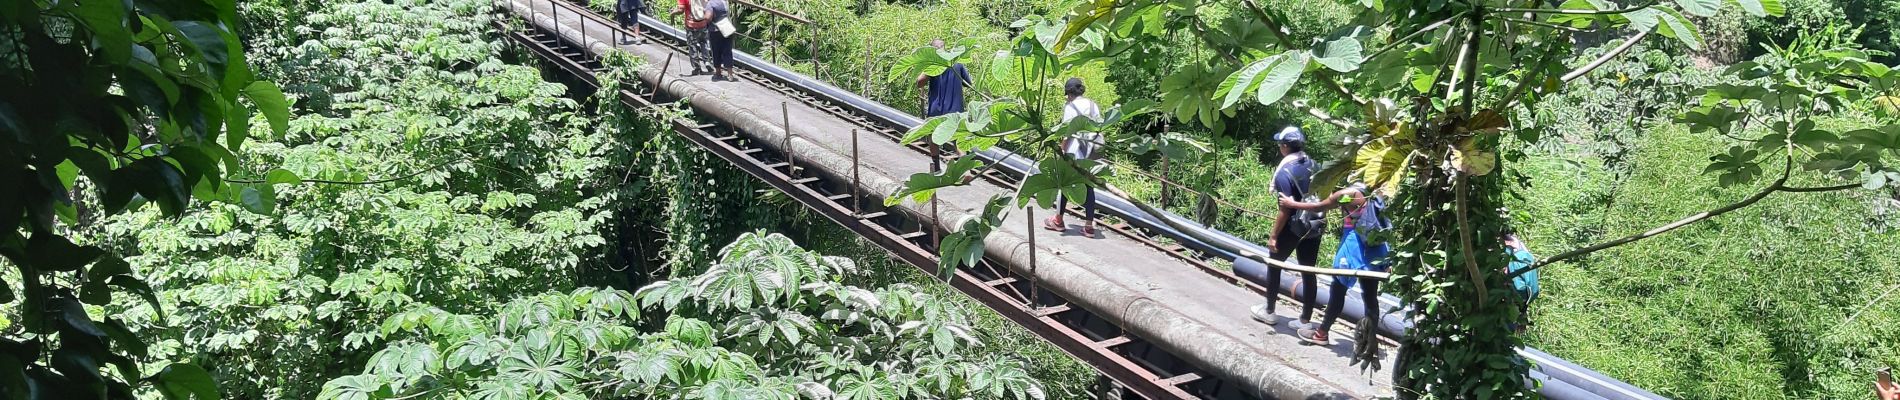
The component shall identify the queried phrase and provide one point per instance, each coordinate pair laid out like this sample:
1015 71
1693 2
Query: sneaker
625 42
1314 336
1261 314
1298 324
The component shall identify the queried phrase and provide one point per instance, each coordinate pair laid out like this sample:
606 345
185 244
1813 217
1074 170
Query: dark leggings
1368 293
721 50
1088 206
1308 253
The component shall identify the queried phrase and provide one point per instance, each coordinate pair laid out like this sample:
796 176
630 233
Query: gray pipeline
1562 380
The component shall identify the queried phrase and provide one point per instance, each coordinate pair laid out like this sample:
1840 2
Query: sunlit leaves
1189 95
928 61
1342 54
1667 22
1761 8
1269 78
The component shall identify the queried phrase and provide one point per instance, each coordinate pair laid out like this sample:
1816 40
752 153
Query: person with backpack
1295 233
1082 146
723 29
943 94
1358 250
1526 284
627 13
697 17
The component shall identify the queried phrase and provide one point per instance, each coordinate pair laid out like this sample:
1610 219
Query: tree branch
1414 35
1605 58
1638 7
1780 185
1464 235
1820 189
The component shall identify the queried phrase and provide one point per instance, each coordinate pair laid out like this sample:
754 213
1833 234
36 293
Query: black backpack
1307 224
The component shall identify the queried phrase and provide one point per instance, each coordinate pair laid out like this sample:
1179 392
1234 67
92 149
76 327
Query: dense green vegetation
768 321
1601 175
430 217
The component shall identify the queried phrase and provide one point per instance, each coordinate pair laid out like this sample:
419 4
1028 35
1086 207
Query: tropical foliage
427 172
1468 70
106 106
768 320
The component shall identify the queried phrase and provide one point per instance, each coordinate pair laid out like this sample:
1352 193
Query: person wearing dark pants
1358 250
1292 238
627 13
943 94
721 41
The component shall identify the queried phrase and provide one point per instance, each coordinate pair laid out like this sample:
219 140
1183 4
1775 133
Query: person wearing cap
1293 178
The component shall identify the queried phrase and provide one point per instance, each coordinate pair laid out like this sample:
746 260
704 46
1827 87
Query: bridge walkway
1183 310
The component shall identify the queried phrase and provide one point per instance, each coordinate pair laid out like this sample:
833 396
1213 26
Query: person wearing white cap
1294 233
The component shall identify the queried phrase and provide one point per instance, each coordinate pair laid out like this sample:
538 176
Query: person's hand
1885 388
1286 201
1273 242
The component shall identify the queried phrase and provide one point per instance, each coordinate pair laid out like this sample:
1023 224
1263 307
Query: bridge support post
791 159
857 203
1029 217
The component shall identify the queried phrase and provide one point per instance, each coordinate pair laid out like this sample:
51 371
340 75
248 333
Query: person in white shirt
1082 146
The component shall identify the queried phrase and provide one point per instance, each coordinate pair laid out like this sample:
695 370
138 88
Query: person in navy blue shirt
943 94
1293 178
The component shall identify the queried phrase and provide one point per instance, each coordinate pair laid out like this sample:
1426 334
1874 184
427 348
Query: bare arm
1329 203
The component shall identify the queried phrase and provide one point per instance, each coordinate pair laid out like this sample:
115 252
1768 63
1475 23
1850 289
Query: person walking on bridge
697 16
1084 145
1358 250
628 13
1295 234
943 94
723 30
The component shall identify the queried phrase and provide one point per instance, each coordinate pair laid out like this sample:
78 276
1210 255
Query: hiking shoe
1054 224
1314 336
1261 314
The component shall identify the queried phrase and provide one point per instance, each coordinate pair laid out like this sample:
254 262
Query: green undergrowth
1755 304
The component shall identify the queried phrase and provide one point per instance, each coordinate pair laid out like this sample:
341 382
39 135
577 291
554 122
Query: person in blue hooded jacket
1359 249
1526 284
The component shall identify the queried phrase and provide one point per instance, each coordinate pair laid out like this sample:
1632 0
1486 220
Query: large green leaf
921 186
1342 54
270 101
1700 8
1269 78
1761 8
186 381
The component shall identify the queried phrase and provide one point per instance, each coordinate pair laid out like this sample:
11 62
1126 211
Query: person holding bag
722 40
1296 233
